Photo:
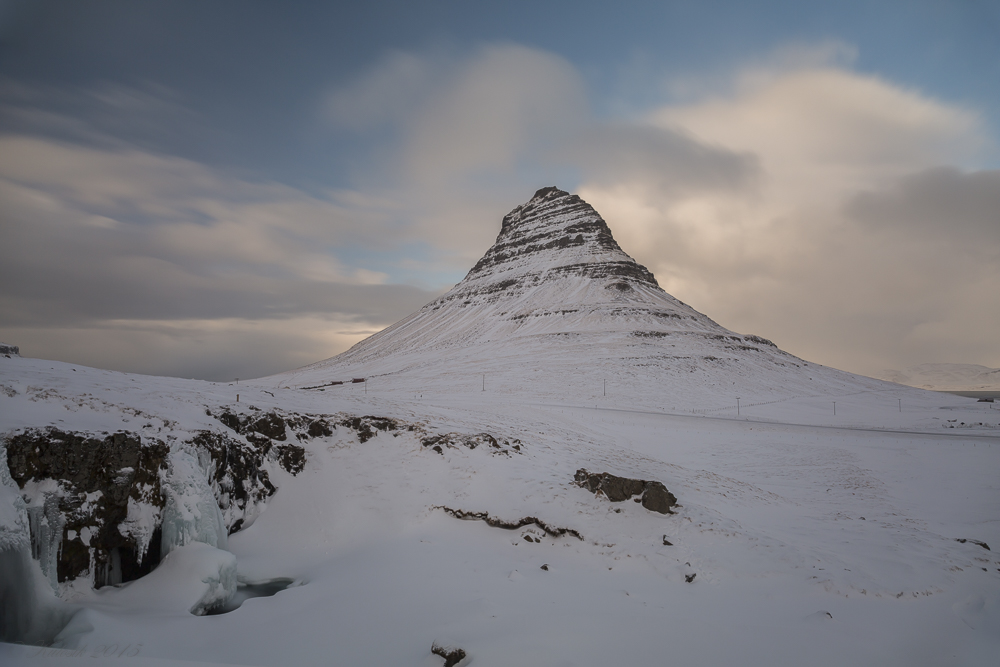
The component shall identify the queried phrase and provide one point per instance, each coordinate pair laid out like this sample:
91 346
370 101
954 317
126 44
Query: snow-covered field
815 539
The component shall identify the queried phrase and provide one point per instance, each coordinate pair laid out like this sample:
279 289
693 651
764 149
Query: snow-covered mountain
467 501
555 309
947 377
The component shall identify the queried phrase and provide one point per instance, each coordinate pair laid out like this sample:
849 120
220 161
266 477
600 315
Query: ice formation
46 524
191 513
29 611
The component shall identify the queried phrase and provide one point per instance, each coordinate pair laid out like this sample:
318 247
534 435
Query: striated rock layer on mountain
556 286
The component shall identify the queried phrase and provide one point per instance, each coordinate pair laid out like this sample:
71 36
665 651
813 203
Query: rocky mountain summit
554 234
555 268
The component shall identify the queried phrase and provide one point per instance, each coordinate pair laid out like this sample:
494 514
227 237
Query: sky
233 189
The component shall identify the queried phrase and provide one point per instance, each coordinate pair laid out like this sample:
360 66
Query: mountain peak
554 234
542 192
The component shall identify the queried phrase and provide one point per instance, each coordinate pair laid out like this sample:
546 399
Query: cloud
480 133
835 212
853 244
946 204
152 246
104 114
382 95
656 159
461 139
209 349
508 103
825 131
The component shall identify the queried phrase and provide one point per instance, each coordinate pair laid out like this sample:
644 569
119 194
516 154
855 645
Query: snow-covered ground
815 539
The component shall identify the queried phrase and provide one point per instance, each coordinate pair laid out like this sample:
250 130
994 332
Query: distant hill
946 377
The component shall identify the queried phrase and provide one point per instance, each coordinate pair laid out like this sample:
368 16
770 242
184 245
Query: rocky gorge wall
108 507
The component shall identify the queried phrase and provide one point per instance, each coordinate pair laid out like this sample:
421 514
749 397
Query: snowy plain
815 539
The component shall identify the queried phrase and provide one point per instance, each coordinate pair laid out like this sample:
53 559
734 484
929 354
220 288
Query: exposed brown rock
452 656
653 495
510 525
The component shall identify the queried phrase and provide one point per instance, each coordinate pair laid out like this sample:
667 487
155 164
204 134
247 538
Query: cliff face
110 507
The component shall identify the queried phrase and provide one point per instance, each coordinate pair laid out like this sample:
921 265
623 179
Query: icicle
29 609
191 513
46 525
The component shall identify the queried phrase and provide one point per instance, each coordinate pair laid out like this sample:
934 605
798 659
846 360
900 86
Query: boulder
653 495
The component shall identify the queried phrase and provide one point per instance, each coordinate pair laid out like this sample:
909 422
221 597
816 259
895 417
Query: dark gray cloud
125 259
664 160
946 203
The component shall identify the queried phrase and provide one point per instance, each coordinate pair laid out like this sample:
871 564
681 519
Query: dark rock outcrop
550 224
510 525
653 495
439 441
452 656
368 426
962 540
82 512
269 425
274 425
96 502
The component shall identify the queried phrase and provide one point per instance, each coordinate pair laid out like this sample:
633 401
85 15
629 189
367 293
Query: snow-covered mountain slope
555 310
947 377
826 519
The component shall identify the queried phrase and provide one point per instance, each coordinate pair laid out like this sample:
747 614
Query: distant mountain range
946 377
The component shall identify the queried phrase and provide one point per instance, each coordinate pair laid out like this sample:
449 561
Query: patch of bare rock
653 495
510 525
452 656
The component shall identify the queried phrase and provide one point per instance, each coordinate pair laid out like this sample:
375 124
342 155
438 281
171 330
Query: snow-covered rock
94 501
194 578
107 507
